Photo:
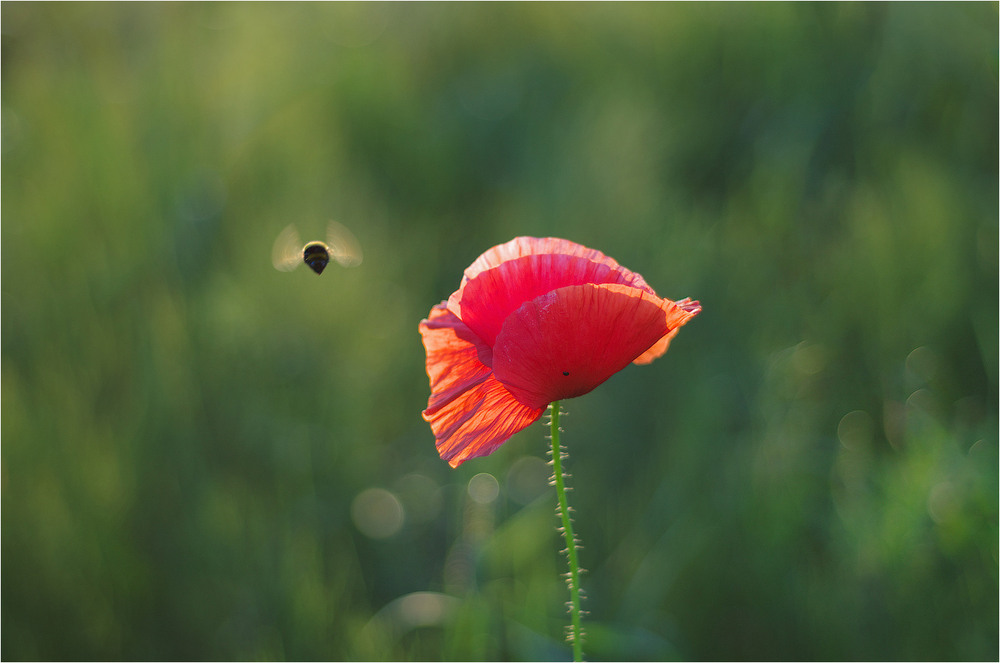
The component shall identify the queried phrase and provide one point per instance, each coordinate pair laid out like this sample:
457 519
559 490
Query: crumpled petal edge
684 310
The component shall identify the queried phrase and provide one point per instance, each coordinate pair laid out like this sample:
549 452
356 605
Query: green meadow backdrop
206 458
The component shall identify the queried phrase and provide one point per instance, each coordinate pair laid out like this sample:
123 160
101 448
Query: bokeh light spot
377 513
943 502
923 363
484 488
424 609
855 430
809 359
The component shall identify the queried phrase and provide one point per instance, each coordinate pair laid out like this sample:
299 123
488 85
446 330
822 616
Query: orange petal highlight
470 412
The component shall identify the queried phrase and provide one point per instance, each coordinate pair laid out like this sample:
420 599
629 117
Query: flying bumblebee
288 252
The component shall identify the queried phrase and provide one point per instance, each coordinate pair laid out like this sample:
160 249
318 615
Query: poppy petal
520 247
686 309
526 246
566 342
470 412
494 294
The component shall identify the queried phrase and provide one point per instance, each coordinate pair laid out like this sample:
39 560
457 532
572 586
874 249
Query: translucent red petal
566 342
524 246
551 247
469 411
493 294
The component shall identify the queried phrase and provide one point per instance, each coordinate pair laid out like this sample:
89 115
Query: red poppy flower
535 321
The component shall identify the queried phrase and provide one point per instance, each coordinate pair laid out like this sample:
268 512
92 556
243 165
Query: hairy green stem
575 636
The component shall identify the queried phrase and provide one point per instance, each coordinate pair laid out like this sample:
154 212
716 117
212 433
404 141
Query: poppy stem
575 635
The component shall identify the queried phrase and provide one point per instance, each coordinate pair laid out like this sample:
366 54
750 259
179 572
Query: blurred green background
205 458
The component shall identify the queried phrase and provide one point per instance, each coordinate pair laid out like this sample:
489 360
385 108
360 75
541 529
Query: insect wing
287 252
344 247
